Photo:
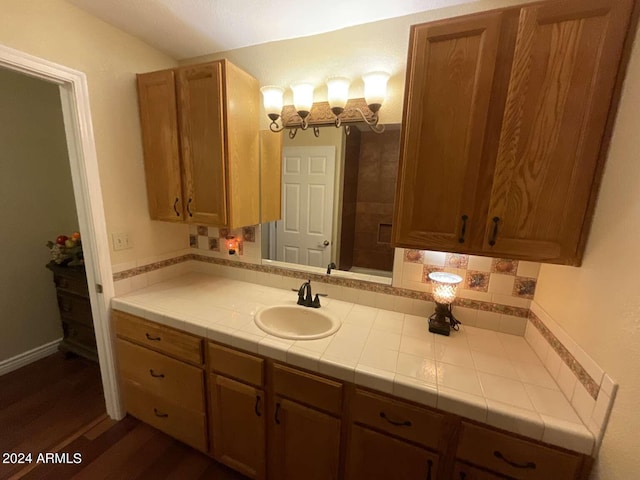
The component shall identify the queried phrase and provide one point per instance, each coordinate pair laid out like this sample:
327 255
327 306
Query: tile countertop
480 374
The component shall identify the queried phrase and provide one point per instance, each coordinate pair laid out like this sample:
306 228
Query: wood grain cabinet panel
238 414
200 137
375 456
305 443
505 117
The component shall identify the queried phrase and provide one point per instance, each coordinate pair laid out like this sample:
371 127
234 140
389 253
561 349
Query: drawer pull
155 375
275 417
463 229
430 465
175 207
499 455
189 207
155 339
159 414
397 423
256 408
494 234
463 476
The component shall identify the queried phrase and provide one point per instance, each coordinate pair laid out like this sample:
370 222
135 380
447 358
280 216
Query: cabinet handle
430 464
155 339
463 476
275 417
189 207
463 228
155 375
175 207
256 408
494 234
499 455
158 414
397 423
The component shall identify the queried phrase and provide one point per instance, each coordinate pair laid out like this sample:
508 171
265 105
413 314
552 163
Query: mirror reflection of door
303 236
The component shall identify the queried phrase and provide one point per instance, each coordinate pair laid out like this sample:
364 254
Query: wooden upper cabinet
205 121
159 122
505 117
564 73
449 82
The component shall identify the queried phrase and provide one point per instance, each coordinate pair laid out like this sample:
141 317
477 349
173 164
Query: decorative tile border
581 374
321 278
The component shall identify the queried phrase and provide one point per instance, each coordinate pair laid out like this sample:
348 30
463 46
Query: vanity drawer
180 345
185 425
308 388
232 363
515 457
72 283
397 418
161 376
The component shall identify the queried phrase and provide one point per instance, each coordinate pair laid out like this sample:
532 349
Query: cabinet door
449 84
200 97
306 443
159 124
375 456
238 426
563 75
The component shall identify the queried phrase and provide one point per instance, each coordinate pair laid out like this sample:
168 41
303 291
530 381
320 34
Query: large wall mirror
338 192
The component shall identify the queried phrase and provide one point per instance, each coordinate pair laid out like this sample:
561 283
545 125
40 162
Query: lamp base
438 320
440 326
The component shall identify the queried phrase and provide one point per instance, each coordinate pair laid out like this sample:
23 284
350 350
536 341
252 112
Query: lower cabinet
305 443
238 425
377 456
270 421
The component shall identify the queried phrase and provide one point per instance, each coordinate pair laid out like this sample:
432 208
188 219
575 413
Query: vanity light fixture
338 111
444 290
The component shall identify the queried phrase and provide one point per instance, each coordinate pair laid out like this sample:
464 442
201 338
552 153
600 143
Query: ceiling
190 28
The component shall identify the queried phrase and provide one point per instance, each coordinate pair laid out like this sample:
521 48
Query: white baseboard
13 363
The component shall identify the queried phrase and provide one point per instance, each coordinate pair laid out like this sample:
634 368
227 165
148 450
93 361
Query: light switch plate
120 241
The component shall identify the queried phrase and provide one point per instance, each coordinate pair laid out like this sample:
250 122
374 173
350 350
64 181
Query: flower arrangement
67 250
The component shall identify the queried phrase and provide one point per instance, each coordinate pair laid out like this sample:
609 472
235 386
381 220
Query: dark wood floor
45 403
57 405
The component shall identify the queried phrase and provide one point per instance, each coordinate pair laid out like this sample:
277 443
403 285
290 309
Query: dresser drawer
308 388
161 376
185 425
79 334
72 284
398 418
75 308
180 345
515 457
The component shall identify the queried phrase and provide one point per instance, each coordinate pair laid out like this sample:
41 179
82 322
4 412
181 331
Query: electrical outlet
120 241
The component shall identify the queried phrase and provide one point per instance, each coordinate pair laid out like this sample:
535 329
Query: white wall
36 205
59 32
598 304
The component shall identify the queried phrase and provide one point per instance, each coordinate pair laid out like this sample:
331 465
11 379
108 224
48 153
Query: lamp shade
302 96
272 98
338 91
445 286
375 88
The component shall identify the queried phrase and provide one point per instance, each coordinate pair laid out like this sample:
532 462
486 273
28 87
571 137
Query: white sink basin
296 322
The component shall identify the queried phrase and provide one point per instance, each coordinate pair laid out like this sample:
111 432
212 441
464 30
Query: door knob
325 243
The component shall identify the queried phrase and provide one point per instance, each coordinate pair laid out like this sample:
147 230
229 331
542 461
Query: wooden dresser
75 311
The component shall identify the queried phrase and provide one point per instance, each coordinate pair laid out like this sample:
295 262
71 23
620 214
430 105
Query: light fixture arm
273 126
373 123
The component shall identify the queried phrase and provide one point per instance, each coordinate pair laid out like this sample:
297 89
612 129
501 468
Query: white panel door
304 234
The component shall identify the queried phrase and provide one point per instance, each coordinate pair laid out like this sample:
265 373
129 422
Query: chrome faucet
305 297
